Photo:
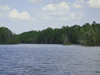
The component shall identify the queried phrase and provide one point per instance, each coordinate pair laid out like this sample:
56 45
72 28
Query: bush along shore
88 35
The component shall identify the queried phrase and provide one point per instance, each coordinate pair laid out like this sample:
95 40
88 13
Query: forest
87 35
7 37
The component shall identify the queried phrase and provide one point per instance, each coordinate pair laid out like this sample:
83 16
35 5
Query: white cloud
94 3
57 7
72 15
7 12
78 15
60 11
35 1
86 3
64 5
57 11
49 7
77 6
79 3
4 8
23 15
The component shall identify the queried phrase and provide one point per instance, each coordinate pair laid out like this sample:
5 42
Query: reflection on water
39 59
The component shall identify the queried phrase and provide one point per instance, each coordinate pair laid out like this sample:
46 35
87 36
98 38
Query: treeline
88 34
7 37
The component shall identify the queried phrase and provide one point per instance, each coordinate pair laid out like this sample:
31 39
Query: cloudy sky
25 15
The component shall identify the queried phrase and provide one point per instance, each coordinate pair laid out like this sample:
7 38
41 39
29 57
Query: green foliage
84 35
6 36
88 34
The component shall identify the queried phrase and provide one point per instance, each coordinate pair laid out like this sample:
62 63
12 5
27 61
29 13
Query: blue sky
25 15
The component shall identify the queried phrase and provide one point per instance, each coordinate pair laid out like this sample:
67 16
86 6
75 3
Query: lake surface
43 59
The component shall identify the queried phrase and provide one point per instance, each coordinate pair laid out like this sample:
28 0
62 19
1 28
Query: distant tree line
7 37
88 34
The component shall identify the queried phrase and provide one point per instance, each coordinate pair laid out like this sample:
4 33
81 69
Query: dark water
35 59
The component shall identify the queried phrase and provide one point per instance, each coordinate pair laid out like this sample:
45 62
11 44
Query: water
35 59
